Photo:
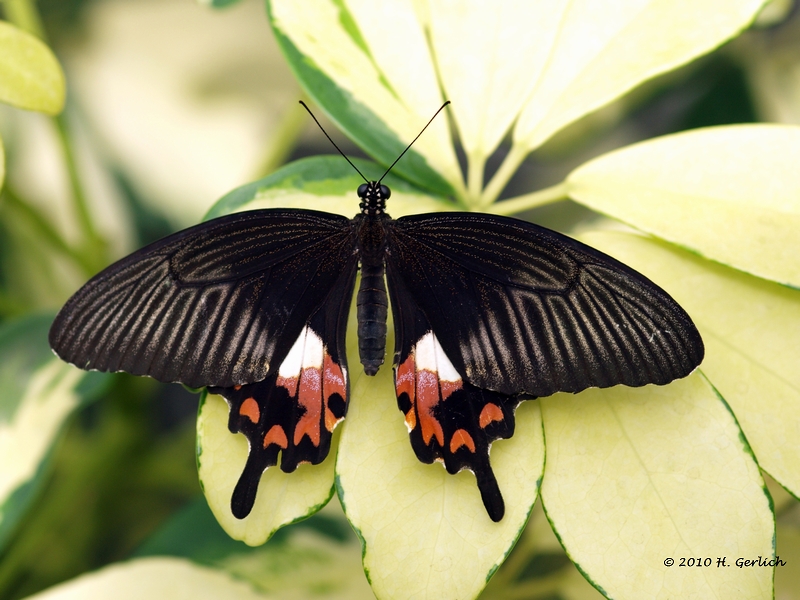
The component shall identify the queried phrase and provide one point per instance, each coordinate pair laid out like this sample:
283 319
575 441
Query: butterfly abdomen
372 307
372 302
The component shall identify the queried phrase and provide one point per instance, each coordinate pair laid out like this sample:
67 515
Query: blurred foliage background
171 104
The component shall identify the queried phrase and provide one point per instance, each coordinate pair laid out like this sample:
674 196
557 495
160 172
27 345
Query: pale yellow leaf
387 69
50 397
400 204
635 476
30 76
600 50
488 54
751 329
282 498
305 563
153 578
769 59
426 533
729 193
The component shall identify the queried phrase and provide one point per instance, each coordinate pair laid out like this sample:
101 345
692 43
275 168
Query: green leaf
38 393
769 59
593 53
750 328
372 73
320 556
638 475
173 578
30 76
787 580
2 164
325 183
426 532
729 193
218 3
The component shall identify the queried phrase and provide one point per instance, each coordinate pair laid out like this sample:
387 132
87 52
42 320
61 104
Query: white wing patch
429 356
306 353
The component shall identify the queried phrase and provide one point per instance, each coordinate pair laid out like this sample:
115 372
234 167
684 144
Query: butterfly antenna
414 140
334 143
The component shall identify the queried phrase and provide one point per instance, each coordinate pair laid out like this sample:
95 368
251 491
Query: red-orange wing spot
427 398
404 379
249 409
276 435
411 419
290 383
404 384
310 398
491 412
461 438
332 383
448 387
237 387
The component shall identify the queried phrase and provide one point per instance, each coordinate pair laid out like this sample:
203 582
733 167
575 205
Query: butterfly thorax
372 302
373 198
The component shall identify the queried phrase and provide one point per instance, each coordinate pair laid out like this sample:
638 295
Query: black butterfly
488 311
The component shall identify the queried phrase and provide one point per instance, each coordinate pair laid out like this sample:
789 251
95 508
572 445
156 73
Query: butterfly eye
362 190
385 192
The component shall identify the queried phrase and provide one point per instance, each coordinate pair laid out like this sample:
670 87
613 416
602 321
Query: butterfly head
373 197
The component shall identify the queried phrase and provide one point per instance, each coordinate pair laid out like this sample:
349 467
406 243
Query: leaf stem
94 245
510 165
282 141
528 201
42 226
24 15
476 165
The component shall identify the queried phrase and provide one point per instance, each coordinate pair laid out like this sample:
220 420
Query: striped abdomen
372 306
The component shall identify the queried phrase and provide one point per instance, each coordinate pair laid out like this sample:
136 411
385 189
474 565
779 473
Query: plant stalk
528 201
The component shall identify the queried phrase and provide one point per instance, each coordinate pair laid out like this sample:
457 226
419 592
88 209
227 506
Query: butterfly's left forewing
520 308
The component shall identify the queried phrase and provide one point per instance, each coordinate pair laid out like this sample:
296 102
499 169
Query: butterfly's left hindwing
293 411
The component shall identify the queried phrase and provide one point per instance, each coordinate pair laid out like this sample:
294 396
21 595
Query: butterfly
488 311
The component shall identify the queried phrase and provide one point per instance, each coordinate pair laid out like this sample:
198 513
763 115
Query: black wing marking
449 419
520 308
293 411
215 304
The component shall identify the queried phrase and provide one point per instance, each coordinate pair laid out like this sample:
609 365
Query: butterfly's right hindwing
216 304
